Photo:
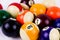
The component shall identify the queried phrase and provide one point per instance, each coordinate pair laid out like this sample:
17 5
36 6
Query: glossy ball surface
27 2
42 21
56 23
4 15
47 34
38 9
53 12
1 6
26 16
29 31
11 28
14 9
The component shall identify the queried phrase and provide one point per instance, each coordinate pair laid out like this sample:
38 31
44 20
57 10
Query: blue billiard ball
56 23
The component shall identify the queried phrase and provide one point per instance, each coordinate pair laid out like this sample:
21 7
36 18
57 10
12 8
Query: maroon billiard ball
27 2
43 20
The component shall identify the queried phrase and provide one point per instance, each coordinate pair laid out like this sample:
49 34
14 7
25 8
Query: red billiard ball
42 21
24 17
14 9
1 6
53 12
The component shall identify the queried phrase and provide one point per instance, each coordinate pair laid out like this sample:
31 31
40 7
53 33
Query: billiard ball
1 6
27 2
24 6
53 12
14 9
25 16
4 15
58 30
42 21
54 34
29 31
56 23
11 28
38 9
49 33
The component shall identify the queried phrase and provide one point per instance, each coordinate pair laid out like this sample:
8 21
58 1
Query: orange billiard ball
29 31
38 9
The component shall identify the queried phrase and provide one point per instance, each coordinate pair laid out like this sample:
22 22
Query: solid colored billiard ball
14 9
11 28
29 31
42 21
26 16
4 15
27 2
53 12
1 6
49 33
56 23
38 9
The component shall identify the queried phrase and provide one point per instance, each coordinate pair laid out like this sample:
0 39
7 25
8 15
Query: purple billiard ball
56 23
49 33
42 21
27 2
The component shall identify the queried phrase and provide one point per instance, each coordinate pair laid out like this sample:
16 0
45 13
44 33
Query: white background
5 4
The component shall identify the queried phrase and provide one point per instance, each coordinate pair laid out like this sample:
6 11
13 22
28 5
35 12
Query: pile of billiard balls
30 21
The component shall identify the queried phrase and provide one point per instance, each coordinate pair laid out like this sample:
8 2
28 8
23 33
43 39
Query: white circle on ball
28 17
29 27
37 21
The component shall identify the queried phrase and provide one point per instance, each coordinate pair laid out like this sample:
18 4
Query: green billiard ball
3 16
